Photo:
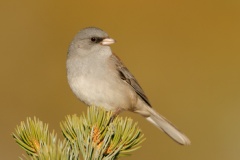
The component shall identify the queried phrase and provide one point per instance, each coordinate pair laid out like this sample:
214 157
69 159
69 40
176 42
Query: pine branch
93 136
34 137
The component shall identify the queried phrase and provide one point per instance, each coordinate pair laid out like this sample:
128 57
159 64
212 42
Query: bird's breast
98 85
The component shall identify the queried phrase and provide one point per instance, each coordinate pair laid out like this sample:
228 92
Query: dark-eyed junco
98 77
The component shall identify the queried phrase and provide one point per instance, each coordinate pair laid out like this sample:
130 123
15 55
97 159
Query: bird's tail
163 124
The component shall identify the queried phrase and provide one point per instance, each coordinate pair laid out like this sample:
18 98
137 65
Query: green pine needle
34 137
92 136
95 133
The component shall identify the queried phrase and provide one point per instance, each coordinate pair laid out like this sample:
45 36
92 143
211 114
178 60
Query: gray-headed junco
98 77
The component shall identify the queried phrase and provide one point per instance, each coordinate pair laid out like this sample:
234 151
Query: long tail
163 124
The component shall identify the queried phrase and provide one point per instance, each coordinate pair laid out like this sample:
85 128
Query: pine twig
93 136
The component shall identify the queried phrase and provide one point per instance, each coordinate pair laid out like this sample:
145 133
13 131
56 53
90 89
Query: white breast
96 83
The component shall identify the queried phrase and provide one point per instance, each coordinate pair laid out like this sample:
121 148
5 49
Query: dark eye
93 39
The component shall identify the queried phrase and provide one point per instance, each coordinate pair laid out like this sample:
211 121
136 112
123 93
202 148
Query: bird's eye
93 39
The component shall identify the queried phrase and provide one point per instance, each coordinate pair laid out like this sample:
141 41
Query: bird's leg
114 115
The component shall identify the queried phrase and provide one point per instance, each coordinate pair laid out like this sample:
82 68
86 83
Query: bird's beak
107 41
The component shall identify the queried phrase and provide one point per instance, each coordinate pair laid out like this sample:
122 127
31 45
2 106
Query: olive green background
185 55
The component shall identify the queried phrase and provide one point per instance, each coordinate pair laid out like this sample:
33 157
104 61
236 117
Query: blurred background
185 55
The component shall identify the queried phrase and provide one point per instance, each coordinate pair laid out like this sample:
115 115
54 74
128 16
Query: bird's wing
126 76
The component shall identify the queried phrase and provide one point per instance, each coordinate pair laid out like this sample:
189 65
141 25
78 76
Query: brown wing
129 78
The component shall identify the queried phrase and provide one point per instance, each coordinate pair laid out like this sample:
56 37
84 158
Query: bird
98 77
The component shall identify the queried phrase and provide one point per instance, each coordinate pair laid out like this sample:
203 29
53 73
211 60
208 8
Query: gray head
90 40
91 32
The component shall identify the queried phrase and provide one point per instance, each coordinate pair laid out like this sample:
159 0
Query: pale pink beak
107 41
